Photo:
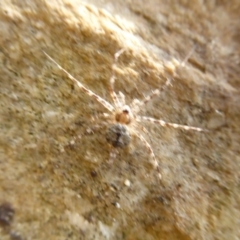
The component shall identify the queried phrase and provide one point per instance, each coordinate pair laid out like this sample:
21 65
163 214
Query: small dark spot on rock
15 236
93 173
6 214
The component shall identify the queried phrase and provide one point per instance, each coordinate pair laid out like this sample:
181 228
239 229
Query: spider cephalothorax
124 115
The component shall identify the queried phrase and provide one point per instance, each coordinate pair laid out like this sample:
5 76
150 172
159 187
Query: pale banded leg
167 124
143 129
188 56
112 155
87 132
115 99
156 92
106 104
153 94
149 148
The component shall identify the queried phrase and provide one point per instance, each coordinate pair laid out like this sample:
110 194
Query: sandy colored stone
54 167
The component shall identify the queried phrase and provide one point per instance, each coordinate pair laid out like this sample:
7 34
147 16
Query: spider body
123 116
117 134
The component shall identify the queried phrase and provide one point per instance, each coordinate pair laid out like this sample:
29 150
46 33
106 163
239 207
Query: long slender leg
112 155
156 92
167 124
141 128
115 99
188 56
149 148
153 94
106 104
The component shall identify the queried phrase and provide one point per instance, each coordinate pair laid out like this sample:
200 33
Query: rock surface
54 167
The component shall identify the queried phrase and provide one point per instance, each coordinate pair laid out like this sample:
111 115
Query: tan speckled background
73 192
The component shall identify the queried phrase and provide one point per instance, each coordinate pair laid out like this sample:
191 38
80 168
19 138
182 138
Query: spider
122 115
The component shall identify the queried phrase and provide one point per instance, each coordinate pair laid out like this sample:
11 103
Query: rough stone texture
70 191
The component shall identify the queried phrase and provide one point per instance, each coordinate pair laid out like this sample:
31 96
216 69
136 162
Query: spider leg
149 148
167 124
112 155
143 129
106 104
114 96
87 132
153 94
157 91
188 56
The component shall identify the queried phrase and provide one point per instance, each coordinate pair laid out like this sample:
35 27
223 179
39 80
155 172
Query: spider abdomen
118 135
